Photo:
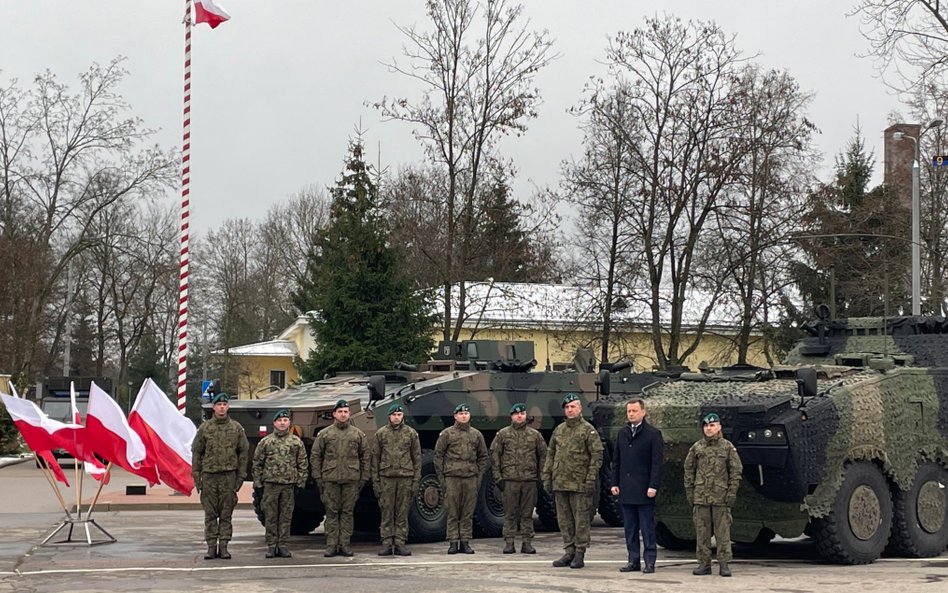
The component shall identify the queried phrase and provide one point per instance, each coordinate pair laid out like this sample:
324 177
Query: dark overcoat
637 463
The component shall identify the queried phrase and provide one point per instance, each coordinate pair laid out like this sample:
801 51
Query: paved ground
160 550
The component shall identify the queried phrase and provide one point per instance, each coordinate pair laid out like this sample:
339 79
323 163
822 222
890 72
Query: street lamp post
916 220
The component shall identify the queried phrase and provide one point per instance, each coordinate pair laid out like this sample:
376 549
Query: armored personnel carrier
848 443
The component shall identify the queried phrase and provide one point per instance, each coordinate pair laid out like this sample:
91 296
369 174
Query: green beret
284 413
340 404
712 417
220 397
462 408
570 397
517 408
395 408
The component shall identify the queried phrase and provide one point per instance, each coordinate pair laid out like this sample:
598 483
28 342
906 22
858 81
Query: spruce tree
363 310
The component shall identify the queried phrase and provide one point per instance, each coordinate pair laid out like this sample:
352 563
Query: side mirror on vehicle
603 382
806 382
376 388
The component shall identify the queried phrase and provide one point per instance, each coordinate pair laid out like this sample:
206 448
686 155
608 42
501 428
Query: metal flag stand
78 520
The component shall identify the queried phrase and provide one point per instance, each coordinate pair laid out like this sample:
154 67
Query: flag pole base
71 525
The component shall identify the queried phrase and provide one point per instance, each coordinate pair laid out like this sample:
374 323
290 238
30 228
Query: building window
278 378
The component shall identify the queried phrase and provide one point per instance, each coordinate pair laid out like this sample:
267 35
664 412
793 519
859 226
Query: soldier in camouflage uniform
460 458
712 477
396 470
517 455
218 462
340 466
279 468
571 472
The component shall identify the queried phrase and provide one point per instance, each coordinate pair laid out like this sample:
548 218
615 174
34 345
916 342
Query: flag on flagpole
89 463
40 432
109 436
210 12
167 436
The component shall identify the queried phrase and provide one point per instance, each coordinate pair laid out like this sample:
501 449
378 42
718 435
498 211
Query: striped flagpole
185 215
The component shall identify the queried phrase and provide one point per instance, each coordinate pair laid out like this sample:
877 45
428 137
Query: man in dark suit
636 477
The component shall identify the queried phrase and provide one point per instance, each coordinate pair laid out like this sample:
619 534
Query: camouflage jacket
397 453
460 452
574 456
517 453
280 458
340 454
712 472
220 445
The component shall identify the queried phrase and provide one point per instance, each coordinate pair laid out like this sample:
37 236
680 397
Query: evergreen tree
363 311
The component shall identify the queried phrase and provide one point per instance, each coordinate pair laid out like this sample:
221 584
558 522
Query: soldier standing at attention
340 466
712 477
517 455
570 473
279 468
460 458
396 470
218 462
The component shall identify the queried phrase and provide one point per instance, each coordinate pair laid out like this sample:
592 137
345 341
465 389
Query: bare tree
477 87
288 232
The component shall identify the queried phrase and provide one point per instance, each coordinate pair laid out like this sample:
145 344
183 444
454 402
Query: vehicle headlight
768 433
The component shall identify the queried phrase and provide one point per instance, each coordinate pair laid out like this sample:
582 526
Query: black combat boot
331 551
283 553
211 551
453 548
527 548
578 559
345 551
723 570
402 550
386 550
465 547
702 569
271 552
564 560
509 548
222 550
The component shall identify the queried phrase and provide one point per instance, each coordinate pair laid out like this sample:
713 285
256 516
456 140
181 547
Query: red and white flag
210 12
53 465
40 432
109 435
167 436
45 454
92 465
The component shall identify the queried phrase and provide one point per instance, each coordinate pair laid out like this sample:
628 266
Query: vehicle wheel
860 521
764 537
546 510
670 541
489 508
427 521
920 514
258 505
609 508
308 512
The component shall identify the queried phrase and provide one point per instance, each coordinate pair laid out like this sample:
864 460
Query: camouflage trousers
339 498
394 495
572 514
520 498
218 497
277 504
717 519
460 497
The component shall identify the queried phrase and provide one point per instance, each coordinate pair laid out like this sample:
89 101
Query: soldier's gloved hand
548 486
238 482
691 499
198 486
729 501
297 489
258 486
590 486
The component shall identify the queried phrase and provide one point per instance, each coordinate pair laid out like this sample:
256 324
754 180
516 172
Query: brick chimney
899 155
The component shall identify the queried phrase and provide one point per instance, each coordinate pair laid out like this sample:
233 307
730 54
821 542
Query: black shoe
633 566
465 547
271 552
453 548
345 551
509 548
564 560
222 552
330 552
402 550
386 551
723 570
527 548
649 568
578 559
702 569
211 551
283 553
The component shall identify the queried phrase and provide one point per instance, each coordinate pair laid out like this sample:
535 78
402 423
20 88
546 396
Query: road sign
205 385
940 160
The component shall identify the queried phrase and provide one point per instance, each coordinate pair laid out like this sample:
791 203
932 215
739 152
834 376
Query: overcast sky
279 88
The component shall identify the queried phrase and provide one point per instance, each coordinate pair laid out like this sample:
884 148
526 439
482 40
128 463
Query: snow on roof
271 348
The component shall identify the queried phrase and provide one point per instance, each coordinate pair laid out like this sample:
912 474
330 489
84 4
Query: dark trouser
520 498
459 499
278 501
218 497
339 498
635 518
718 519
394 503
572 514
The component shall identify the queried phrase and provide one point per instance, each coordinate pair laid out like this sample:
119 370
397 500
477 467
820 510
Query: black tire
546 510
859 523
427 521
609 509
489 508
670 541
764 537
308 512
920 514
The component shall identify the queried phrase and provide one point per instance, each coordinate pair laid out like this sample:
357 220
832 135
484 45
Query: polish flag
109 435
53 465
89 462
45 454
210 12
167 436
41 432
